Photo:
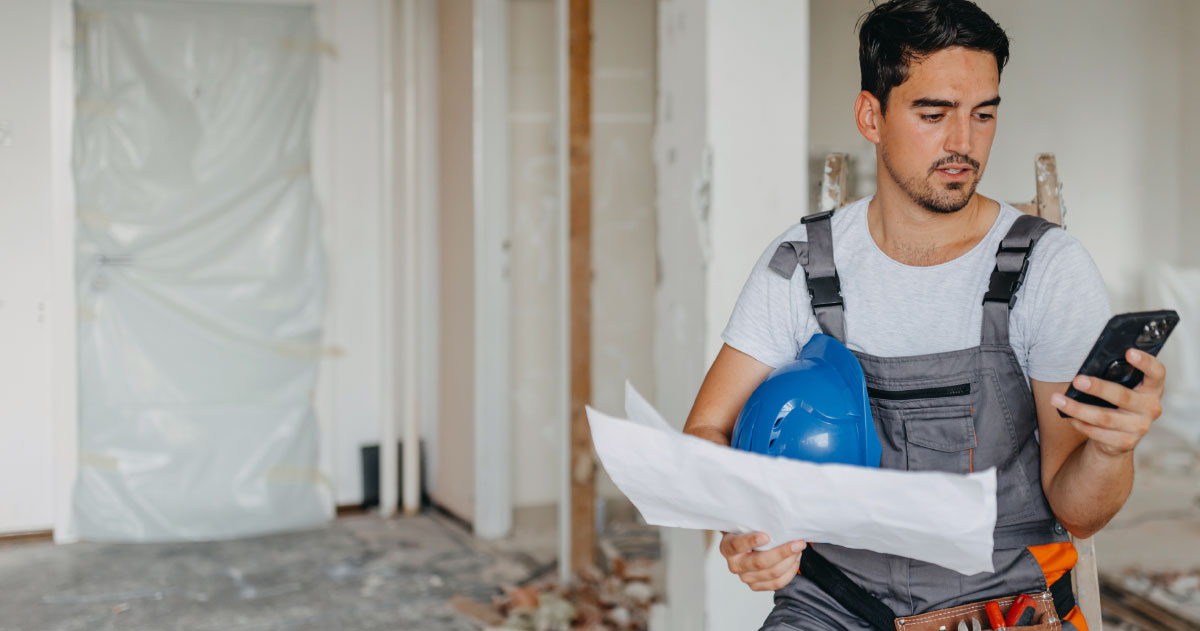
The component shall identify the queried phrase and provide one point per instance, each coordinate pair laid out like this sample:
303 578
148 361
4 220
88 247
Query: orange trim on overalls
1055 560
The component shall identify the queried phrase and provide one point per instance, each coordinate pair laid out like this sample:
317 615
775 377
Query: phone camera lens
1152 333
1118 371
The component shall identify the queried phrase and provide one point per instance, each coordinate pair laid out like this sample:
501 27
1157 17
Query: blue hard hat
815 409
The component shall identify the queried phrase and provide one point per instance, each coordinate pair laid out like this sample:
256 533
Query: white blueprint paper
682 481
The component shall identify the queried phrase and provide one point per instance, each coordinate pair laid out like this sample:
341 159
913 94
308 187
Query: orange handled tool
1021 613
995 617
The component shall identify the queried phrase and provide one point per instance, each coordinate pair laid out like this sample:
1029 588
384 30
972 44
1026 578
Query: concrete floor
361 573
1153 545
365 573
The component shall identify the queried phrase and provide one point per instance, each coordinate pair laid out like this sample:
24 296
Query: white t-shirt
894 310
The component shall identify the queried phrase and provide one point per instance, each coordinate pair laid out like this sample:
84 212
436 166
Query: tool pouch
1046 619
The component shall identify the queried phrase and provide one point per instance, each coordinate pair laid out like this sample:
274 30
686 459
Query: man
915 263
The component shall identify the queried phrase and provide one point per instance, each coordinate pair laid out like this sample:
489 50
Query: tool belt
1050 605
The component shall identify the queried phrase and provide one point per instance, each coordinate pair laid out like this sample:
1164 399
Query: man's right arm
733 377
730 382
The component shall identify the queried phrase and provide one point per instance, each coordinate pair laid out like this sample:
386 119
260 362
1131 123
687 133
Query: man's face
939 127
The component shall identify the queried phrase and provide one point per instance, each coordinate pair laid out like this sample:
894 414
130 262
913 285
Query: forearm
709 433
1090 488
729 382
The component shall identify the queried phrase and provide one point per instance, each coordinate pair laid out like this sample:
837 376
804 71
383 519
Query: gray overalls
957 411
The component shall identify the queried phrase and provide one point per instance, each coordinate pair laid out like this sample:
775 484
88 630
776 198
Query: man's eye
932 118
984 116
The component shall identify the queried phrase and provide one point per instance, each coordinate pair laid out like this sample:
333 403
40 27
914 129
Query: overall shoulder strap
1012 261
820 274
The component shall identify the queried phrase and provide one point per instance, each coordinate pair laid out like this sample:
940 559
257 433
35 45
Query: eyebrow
928 102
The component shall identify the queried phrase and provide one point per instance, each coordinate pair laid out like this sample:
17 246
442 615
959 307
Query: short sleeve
763 323
1066 307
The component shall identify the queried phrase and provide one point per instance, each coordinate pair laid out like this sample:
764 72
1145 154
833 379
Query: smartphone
1146 331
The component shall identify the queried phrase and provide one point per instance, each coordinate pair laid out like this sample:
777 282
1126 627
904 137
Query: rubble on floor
1149 554
618 598
1178 592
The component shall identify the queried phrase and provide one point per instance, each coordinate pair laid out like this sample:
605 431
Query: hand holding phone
1146 331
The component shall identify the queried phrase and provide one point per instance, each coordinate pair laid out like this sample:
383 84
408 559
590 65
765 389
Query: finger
771 573
767 558
1111 441
1114 393
1141 403
779 582
1101 417
1151 366
742 543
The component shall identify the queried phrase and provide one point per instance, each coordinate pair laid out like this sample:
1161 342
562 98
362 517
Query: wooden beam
1049 204
833 183
583 464
1086 578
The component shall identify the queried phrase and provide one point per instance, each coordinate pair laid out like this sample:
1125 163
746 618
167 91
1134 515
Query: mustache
954 159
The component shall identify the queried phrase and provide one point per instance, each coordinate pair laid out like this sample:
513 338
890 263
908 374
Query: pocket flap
942 429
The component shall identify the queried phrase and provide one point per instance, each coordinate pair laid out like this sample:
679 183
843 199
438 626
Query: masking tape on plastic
97 460
299 171
299 475
95 107
93 217
311 46
307 351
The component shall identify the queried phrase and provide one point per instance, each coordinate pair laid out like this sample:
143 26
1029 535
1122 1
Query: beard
951 199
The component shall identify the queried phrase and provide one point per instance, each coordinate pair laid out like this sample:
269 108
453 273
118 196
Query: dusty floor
364 573
1152 547
360 573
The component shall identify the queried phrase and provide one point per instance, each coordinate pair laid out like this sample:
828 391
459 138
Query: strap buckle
1003 286
824 291
816 217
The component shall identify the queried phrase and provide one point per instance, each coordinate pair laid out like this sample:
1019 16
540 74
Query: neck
914 235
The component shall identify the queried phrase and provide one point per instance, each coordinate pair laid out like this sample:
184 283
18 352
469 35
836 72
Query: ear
869 117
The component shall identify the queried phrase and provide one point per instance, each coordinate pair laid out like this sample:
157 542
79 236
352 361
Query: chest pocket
928 428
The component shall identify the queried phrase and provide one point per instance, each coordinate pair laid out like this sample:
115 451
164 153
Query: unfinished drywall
26 266
623 228
1095 82
537 379
730 149
623 189
679 329
455 487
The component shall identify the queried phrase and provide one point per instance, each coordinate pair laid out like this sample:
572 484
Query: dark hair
895 34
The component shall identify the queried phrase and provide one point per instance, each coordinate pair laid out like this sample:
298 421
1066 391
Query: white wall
731 146
1189 143
623 228
350 157
26 270
1098 83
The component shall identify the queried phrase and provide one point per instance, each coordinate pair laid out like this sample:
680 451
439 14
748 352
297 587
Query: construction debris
482 615
617 600
1152 602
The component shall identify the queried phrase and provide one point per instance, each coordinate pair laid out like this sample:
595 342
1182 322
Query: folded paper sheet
682 481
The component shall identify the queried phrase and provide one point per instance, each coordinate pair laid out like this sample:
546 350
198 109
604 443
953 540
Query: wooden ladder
1047 204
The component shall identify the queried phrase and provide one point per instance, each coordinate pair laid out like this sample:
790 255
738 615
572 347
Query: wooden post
583 464
833 183
1049 205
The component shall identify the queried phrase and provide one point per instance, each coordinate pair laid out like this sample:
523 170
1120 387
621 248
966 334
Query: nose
959 138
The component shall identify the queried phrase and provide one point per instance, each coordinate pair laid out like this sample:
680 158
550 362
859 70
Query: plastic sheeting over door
200 271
